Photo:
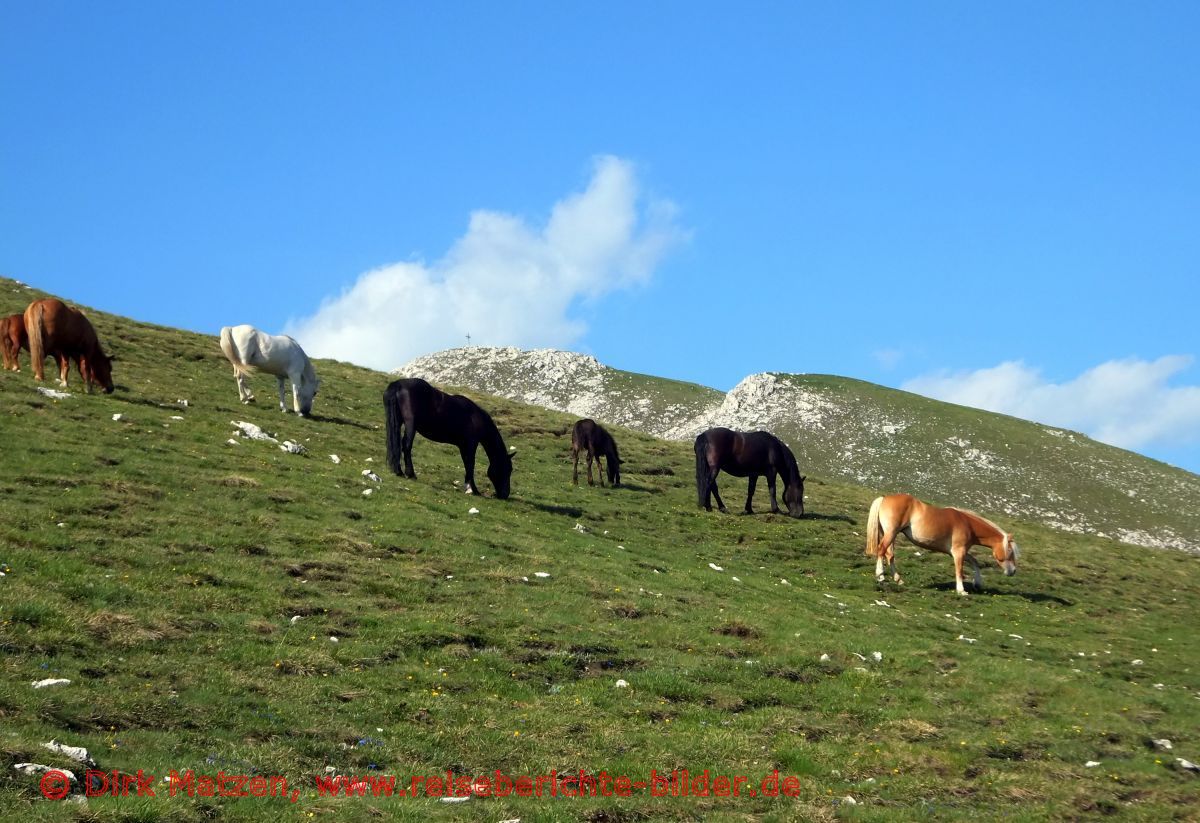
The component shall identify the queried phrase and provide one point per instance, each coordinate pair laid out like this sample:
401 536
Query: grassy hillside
160 569
871 435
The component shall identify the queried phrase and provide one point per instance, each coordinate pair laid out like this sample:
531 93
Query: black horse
747 454
588 435
413 406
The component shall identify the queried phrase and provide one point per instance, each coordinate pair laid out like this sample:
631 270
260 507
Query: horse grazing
250 350
745 454
950 531
588 435
65 334
12 339
414 407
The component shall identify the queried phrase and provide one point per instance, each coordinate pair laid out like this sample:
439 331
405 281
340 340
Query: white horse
250 350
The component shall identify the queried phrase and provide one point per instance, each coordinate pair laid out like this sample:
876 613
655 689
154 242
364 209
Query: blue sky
996 204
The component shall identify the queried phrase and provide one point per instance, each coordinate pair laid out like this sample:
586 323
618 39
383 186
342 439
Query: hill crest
867 434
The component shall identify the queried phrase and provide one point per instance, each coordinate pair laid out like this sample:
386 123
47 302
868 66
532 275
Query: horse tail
395 431
701 467
576 443
874 532
230 350
33 329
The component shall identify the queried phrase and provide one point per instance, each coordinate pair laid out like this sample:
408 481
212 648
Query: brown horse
415 407
950 531
12 340
588 435
747 454
64 333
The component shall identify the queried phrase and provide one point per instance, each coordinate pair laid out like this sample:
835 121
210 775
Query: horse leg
591 457
886 548
575 473
406 444
244 393
712 484
601 469
64 369
771 487
467 451
958 552
978 577
282 405
750 493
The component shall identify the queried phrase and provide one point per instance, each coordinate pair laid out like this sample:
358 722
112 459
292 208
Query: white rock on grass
370 475
878 657
251 431
622 684
1163 744
579 527
50 681
295 619
462 799
968 639
335 458
368 492
541 574
77 753
1091 764
292 448
53 394
1187 765
118 417
232 442
38 768
715 567
472 510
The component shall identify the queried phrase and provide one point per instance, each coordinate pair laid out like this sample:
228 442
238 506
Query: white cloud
1127 403
504 282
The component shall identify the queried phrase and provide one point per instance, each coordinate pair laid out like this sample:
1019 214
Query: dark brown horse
588 435
747 454
64 333
12 340
414 407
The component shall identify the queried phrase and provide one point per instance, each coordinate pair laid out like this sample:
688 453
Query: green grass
167 592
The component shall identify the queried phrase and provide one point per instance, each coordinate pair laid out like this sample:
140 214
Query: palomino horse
12 339
414 407
250 350
64 333
747 454
588 435
950 531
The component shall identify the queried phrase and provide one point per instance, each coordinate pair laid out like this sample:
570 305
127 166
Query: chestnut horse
64 333
588 435
747 454
950 531
12 339
414 407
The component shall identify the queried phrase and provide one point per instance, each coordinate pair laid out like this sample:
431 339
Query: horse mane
978 516
790 459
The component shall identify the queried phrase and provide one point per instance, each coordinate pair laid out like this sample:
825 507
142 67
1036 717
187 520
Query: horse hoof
879 578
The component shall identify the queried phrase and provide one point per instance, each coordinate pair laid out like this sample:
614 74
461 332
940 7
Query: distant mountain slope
882 438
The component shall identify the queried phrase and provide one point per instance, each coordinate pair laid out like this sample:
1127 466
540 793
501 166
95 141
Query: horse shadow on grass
637 487
341 421
1032 597
830 517
549 508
